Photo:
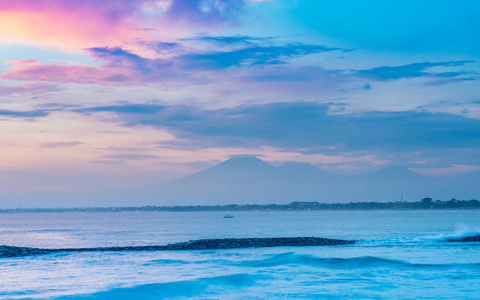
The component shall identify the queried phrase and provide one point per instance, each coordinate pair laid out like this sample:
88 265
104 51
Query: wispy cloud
23 114
124 149
130 156
123 109
118 58
61 144
118 67
28 88
305 126
121 67
444 81
386 73
254 55
234 40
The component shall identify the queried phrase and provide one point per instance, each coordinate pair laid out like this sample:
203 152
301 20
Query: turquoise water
400 256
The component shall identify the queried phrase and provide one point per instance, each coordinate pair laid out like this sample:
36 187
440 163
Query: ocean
400 255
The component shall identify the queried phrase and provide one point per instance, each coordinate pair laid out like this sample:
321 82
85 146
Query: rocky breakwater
471 238
9 251
230 243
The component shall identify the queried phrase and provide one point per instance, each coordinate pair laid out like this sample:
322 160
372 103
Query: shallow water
400 256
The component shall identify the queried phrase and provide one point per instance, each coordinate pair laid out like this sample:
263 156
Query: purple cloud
119 58
122 67
28 88
205 12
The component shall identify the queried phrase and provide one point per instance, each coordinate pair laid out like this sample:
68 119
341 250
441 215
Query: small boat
228 216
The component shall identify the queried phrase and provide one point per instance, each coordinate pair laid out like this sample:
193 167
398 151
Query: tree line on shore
425 203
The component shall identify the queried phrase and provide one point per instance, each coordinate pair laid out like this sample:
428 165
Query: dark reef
471 238
205 244
256 242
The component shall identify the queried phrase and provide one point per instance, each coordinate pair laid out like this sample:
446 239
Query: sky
111 94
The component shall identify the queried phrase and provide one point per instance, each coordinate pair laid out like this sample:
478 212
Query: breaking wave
168 290
213 287
334 263
457 237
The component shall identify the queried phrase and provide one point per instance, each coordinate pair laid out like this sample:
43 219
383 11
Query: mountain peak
244 163
236 169
243 159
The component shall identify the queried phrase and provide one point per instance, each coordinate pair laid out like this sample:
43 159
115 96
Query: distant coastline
424 204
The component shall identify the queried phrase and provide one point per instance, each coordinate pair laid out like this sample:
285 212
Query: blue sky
169 87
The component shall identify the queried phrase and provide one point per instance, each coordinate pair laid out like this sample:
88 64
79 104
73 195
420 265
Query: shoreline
424 204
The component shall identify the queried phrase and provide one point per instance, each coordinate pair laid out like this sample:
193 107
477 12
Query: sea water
400 255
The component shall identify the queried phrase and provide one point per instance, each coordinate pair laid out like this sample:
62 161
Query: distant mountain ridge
249 180
248 167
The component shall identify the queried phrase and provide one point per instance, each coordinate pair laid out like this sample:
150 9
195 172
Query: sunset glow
112 93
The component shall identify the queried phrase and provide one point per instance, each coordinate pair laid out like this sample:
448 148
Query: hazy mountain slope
243 180
235 170
303 172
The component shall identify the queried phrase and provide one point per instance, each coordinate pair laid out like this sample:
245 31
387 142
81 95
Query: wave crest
333 263
188 288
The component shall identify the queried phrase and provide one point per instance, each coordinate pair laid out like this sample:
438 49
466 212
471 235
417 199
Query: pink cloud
75 25
123 67
21 62
54 73
118 67
61 144
69 23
